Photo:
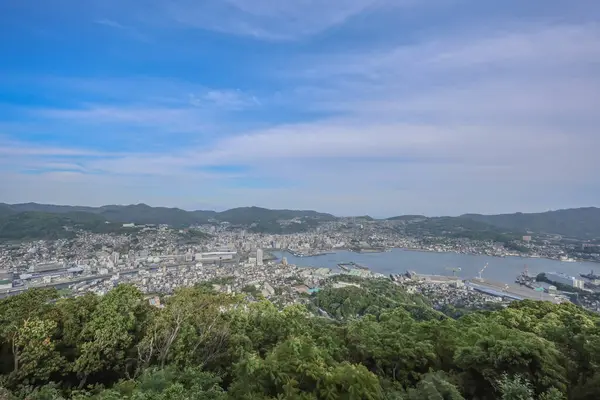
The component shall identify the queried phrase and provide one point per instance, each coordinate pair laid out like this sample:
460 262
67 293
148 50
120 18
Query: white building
259 257
214 256
559 277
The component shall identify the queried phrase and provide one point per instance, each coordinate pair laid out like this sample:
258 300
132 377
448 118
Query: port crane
479 278
454 270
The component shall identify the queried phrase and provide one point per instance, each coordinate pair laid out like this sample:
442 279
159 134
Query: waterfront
501 269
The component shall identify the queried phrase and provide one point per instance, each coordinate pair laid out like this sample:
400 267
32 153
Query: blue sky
379 107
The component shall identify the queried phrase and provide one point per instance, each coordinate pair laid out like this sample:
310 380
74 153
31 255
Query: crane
479 278
454 270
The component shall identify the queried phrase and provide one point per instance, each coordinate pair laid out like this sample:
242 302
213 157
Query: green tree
107 340
35 352
190 330
515 388
434 386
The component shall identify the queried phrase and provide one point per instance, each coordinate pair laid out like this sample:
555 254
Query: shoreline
326 252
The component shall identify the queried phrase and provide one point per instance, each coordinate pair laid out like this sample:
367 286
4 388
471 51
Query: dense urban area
151 307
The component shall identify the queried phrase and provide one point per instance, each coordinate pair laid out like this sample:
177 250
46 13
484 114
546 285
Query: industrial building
559 277
47 267
215 256
6 279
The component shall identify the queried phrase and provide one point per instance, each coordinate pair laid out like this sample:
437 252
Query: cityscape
299 200
158 259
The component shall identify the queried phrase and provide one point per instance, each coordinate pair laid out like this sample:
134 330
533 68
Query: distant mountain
5 210
41 225
406 218
250 215
458 227
145 214
583 223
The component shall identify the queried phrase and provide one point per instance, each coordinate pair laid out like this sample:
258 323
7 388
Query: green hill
42 225
582 223
32 220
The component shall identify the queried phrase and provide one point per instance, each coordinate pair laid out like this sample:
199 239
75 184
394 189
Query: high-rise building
259 257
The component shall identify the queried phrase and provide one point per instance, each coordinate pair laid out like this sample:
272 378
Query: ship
590 276
348 265
345 266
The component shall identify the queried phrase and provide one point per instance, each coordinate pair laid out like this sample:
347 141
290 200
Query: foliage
378 343
371 297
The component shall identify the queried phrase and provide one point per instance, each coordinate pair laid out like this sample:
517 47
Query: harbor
491 288
310 253
464 266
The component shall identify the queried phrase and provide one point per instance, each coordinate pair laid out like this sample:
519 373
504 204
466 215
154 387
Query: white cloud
151 117
269 19
111 23
224 99
131 31
494 122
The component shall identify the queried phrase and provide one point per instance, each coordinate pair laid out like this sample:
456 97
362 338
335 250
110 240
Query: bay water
398 261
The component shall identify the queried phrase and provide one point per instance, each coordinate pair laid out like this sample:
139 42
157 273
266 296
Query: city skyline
441 107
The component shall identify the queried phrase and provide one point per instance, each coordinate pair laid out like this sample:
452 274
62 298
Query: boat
590 276
346 266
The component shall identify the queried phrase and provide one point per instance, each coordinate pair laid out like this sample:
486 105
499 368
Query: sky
353 107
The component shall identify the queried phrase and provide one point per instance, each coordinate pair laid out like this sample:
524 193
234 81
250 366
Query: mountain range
145 214
582 223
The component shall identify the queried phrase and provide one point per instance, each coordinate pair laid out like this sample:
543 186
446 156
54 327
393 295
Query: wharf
437 278
348 265
516 292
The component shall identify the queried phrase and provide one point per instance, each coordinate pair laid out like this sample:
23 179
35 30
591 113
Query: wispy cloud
225 99
111 23
129 30
490 116
268 19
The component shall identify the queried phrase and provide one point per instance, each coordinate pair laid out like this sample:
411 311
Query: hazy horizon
353 107
221 209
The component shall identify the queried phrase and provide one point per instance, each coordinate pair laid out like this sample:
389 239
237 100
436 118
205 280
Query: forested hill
378 342
144 214
581 223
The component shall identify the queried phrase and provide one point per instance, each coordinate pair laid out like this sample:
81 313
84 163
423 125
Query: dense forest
374 342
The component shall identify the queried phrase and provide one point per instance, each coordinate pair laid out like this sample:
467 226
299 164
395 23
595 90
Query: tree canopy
371 342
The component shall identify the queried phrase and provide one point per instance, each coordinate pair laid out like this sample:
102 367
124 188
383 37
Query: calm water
399 261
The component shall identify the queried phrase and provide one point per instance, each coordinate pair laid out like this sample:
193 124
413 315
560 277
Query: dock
513 291
350 265
516 292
